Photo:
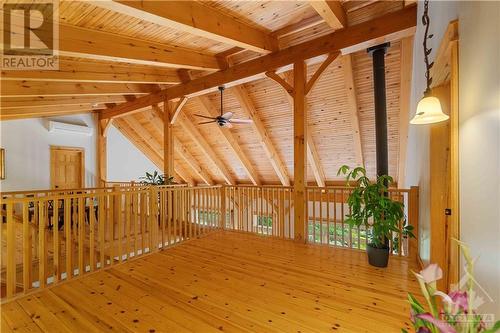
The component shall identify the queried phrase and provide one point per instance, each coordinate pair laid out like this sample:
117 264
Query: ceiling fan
225 119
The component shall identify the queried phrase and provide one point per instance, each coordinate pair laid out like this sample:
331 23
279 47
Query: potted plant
156 178
372 207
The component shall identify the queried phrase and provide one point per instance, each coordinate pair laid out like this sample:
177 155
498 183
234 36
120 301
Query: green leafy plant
372 207
156 178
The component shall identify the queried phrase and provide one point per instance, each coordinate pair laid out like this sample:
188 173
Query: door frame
66 148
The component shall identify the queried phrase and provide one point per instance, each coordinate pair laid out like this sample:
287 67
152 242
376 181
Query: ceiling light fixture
429 109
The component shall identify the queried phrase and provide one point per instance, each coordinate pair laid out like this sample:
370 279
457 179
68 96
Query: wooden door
67 168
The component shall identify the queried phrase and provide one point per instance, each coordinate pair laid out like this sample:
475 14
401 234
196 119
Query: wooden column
168 141
299 150
102 152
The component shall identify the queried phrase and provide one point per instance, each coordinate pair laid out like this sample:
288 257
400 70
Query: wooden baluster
27 249
314 212
128 207
69 237
350 227
342 200
81 236
135 207
143 221
55 240
328 222
11 251
101 220
92 233
335 217
42 263
111 225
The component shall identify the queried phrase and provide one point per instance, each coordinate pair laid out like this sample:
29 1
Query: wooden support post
413 202
168 142
299 150
102 152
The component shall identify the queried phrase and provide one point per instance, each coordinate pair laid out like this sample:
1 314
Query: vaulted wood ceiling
114 52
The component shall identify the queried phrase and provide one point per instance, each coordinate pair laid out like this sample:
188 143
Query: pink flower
441 325
431 273
459 299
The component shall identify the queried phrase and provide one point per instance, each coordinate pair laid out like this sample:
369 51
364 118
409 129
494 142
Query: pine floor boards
226 281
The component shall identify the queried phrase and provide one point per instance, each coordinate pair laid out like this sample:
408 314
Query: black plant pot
377 257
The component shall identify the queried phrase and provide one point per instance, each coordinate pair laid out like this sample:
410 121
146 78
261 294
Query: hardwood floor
226 281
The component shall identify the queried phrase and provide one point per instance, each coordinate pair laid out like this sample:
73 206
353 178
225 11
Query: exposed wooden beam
246 104
390 27
231 141
177 109
404 104
40 88
168 141
43 111
352 106
192 162
97 71
145 135
188 125
441 71
324 65
93 101
183 174
196 19
331 11
299 151
281 81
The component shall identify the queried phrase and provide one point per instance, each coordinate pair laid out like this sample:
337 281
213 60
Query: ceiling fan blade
227 124
227 115
206 122
206 117
241 121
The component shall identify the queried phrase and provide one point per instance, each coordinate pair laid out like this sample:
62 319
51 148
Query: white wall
27 148
125 161
479 135
27 151
479 109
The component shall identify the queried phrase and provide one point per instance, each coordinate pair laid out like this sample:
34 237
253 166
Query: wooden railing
264 210
268 210
327 209
54 236
57 236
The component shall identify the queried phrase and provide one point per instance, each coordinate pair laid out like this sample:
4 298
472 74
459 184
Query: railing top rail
338 187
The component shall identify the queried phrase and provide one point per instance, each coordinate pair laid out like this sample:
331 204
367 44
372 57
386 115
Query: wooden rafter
231 141
331 11
196 19
93 44
41 88
97 71
44 111
246 104
352 106
188 126
38 101
404 104
157 119
393 26
149 146
191 161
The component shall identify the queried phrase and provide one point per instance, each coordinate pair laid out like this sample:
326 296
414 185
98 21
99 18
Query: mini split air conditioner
58 127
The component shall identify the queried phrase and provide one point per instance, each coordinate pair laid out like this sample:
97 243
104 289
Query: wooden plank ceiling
127 59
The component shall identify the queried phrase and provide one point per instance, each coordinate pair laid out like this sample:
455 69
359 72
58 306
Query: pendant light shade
429 111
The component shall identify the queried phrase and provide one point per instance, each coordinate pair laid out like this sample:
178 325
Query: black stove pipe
382 151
